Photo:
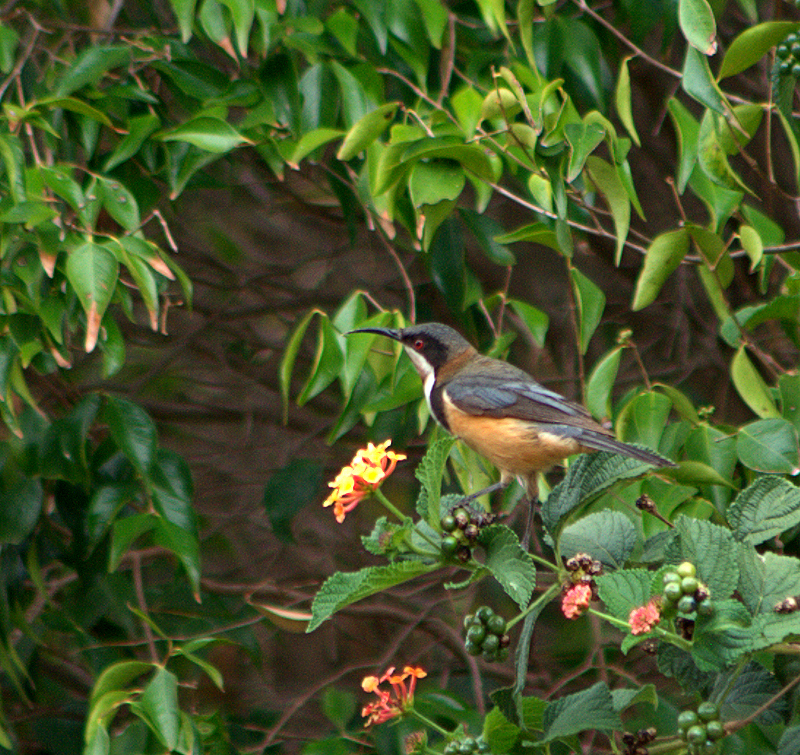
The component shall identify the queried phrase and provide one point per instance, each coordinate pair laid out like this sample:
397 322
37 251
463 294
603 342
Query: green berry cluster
788 55
461 528
684 593
485 634
467 746
701 729
636 744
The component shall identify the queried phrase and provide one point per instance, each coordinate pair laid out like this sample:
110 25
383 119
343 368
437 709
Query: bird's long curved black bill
388 332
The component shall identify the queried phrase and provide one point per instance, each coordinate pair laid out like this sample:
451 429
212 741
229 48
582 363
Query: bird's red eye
418 344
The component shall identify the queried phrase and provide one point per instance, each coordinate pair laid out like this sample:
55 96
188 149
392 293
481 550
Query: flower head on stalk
391 703
644 618
576 600
365 473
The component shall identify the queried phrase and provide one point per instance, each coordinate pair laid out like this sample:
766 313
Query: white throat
425 372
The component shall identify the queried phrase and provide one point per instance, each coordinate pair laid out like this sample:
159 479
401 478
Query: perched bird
499 410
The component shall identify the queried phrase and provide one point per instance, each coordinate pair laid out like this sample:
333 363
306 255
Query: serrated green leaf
766 580
589 709
722 638
627 698
511 566
499 733
763 510
709 547
344 588
751 690
430 472
608 536
588 477
662 259
624 590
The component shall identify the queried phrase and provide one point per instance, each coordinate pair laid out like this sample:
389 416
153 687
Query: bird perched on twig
499 410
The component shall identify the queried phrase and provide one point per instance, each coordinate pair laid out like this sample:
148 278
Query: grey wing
521 398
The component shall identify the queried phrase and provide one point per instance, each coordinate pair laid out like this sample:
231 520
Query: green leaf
172 490
624 590
662 259
766 580
124 532
769 445
186 548
184 12
688 132
607 536
133 431
9 40
698 25
22 498
604 177
789 742
92 271
309 142
328 361
119 203
290 356
485 230
709 547
601 383
763 510
583 138
430 472
536 233
435 181
627 698
698 82
158 707
591 302
591 708
722 638
139 128
644 418
499 733
751 386
588 477
789 387
536 321
344 588
242 13
89 67
366 130
206 132
748 47
288 491
14 160
712 157
117 676
511 566
622 100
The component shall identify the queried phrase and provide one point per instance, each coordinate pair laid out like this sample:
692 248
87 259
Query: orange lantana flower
365 473
394 703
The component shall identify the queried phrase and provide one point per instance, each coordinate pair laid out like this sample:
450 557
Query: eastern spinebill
499 410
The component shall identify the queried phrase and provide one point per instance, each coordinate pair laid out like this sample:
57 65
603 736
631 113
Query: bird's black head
430 345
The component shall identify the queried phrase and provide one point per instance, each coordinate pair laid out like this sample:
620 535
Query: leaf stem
389 506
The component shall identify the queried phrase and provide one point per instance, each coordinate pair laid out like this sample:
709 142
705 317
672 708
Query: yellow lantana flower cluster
365 473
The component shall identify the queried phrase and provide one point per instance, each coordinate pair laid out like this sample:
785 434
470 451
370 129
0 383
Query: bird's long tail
603 442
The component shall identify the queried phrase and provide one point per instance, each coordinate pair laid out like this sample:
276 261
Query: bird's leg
532 497
466 500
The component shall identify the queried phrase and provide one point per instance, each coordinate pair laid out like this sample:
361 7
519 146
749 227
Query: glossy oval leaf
600 384
697 23
769 445
591 302
208 133
752 44
436 181
751 386
92 271
622 101
605 178
366 130
133 430
662 259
